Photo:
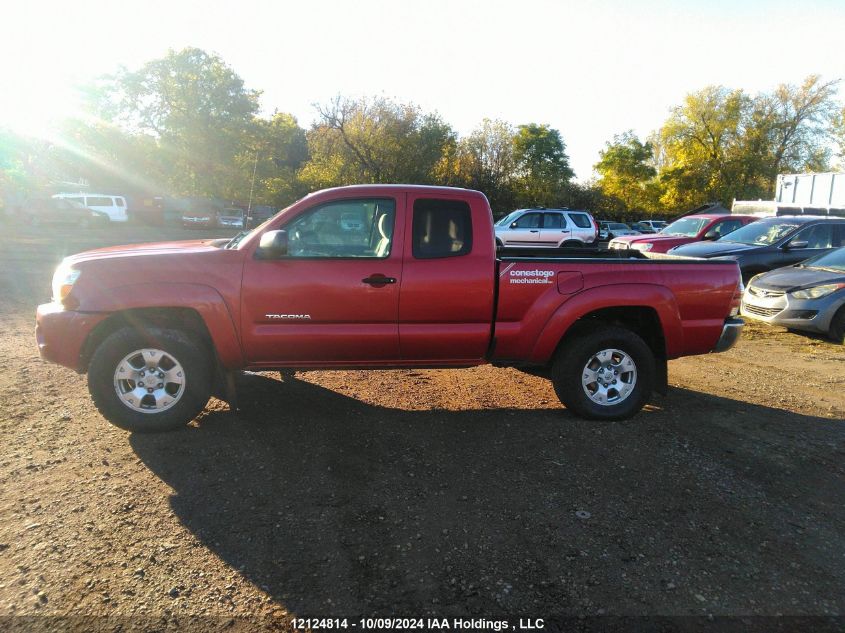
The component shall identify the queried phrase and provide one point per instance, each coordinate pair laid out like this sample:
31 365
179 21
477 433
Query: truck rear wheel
149 382
607 374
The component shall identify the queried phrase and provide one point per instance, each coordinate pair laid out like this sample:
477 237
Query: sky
588 69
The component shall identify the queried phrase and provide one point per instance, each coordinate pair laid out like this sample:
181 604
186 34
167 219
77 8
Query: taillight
736 301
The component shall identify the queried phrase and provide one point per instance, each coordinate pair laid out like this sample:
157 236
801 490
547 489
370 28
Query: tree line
186 125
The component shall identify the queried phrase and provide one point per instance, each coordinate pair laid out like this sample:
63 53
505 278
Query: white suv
546 228
112 206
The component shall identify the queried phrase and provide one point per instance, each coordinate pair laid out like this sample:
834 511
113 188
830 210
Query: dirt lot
414 493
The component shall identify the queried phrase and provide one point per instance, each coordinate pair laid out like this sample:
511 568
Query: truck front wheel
158 380
607 374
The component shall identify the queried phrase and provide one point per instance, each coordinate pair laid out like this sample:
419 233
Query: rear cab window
441 228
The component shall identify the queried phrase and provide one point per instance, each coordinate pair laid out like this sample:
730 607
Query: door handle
534 231
379 280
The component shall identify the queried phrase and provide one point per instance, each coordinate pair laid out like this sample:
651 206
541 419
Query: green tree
541 164
197 110
627 173
723 144
278 150
485 160
374 141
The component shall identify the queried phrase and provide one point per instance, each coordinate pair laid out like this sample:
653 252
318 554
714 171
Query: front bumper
779 308
730 335
61 334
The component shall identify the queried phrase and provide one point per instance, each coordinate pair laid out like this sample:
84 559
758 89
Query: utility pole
252 187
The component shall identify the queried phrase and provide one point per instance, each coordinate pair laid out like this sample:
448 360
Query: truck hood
795 277
150 249
712 249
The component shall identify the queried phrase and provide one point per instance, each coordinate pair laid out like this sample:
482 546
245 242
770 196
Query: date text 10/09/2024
420 624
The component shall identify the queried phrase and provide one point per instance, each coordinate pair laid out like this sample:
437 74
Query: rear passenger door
555 229
448 280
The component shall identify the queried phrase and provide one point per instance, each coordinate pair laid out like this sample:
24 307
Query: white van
112 206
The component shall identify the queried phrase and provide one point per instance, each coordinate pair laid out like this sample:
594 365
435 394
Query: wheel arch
195 308
185 319
641 320
650 308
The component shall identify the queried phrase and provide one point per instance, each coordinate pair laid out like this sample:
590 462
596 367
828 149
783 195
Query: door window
100 201
818 236
528 221
727 226
554 221
442 228
344 228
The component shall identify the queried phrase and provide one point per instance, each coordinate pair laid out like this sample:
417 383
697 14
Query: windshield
618 226
507 219
685 227
233 243
761 233
834 260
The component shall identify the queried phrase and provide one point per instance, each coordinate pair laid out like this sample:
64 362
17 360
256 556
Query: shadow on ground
335 506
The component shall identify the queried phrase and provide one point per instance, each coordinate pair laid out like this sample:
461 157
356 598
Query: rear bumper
730 335
61 333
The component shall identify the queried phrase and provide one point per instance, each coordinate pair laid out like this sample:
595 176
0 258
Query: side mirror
513 225
711 235
796 244
273 245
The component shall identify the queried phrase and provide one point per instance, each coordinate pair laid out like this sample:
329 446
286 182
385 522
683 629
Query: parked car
809 296
692 228
199 219
772 243
649 226
114 207
260 213
611 230
37 211
422 268
231 217
546 228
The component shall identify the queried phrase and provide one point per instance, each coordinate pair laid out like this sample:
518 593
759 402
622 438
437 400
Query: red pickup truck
376 276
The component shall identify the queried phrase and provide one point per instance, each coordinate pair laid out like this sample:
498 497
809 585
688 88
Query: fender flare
205 300
653 296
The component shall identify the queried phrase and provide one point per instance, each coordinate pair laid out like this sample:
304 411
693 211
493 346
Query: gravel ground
448 493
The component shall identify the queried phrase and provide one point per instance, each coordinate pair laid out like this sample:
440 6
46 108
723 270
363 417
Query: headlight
63 280
816 292
642 246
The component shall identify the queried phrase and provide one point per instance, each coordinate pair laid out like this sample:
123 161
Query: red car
375 277
692 228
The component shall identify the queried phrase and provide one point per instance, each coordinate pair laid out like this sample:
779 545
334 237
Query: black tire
572 360
837 326
191 355
572 244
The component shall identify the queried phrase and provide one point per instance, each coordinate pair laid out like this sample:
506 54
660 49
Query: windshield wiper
236 240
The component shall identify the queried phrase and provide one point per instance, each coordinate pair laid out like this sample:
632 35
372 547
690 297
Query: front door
524 231
334 299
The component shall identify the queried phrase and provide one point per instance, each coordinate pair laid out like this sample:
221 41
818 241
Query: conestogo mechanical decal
535 276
